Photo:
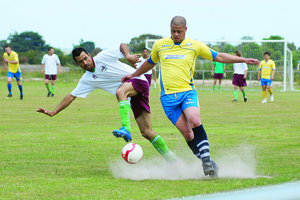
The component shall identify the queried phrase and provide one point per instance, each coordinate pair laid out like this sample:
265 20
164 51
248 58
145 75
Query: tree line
31 47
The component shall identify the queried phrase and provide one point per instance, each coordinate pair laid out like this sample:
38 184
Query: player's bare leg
144 123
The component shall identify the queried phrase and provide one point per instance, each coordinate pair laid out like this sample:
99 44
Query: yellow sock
270 91
264 93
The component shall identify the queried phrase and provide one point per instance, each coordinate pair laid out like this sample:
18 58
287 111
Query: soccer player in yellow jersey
266 75
177 55
12 59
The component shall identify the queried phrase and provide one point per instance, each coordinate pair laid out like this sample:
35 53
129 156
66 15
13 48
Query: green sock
53 88
235 94
219 88
48 88
213 88
244 93
124 107
160 145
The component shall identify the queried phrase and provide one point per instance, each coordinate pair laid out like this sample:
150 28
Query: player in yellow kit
177 55
266 75
12 59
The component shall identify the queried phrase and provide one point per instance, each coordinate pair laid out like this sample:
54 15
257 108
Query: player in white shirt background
148 74
50 61
104 71
239 78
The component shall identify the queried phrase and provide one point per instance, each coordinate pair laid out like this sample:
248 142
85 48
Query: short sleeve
260 65
43 61
57 60
82 89
154 58
205 52
273 66
16 57
113 53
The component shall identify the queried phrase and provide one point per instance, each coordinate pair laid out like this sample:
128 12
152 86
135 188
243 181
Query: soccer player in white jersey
239 78
149 73
104 71
50 61
177 55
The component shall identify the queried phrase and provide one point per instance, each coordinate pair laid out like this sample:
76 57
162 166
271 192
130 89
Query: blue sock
9 88
201 142
21 89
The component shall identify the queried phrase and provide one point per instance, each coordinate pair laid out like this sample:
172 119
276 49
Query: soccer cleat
264 101
9 96
123 133
48 95
235 100
245 99
271 98
21 97
210 168
52 95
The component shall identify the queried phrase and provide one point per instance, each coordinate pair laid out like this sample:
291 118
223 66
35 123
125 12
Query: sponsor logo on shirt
166 45
175 56
95 76
103 68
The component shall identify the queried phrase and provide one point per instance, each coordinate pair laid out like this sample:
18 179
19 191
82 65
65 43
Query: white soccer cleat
264 101
271 98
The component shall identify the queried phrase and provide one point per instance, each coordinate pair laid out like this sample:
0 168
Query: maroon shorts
140 102
50 77
238 79
218 76
148 77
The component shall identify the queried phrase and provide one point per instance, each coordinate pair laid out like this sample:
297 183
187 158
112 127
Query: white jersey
107 75
139 64
51 63
240 68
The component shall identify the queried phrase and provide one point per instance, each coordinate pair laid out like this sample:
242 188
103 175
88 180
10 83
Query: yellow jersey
13 56
177 63
266 68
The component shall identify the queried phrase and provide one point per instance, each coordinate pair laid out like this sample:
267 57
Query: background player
105 71
149 73
239 77
218 70
178 95
12 59
266 74
50 61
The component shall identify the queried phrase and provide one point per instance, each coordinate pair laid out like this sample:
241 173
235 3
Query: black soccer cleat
48 95
245 99
9 96
21 97
235 100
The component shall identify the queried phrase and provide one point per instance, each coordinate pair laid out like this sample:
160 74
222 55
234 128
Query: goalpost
280 54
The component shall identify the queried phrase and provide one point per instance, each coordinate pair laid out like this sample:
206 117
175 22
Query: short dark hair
50 48
145 49
267 53
77 51
238 53
178 20
6 46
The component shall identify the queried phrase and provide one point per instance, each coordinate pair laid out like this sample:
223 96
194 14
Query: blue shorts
265 81
174 104
17 75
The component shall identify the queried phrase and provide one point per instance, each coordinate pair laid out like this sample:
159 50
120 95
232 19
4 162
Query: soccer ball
132 153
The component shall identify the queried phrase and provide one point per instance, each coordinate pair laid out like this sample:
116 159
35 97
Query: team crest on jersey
95 76
103 68
188 44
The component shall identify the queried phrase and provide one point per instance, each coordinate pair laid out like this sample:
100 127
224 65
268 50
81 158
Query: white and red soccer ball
132 153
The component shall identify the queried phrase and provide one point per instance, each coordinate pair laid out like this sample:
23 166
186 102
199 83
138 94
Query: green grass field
70 156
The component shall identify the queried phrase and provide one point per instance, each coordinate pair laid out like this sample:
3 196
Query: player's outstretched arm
63 104
227 58
134 58
146 66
